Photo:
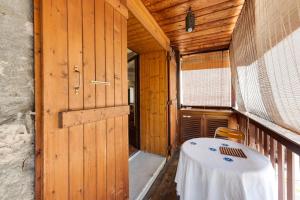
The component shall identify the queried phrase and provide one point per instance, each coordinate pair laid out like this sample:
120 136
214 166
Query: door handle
186 116
77 87
100 82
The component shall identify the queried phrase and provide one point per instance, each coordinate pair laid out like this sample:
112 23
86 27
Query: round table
203 173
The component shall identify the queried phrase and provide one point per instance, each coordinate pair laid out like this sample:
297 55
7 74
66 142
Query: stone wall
16 100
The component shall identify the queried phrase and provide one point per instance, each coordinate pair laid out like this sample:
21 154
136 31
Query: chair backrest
230 133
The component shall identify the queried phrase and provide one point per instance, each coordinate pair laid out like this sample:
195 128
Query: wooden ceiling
139 39
215 21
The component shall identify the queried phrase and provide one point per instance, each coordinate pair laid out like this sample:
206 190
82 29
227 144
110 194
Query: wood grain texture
172 102
110 101
55 86
291 195
140 39
212 17
76 133
87 158
38 101
89 140
119 7
100 98
125 142
140 12
202 122
73 118
153 102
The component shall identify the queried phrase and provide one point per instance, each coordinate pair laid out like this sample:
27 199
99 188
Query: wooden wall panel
76 133
153 102
100 102
90 145
55 86
125 143
172 76
82 41
203 122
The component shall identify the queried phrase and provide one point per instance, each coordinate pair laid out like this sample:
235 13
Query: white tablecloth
203 174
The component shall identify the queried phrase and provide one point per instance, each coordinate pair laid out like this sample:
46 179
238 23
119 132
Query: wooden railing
278 145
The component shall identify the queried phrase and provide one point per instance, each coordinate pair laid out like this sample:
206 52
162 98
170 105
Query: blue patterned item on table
225 145
228 159
193 143
212 149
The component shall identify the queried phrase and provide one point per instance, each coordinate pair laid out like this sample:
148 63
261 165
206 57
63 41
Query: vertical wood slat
118 101
290 175
74 11
101 128
38 101
266 144
272 151
89 140
261 139
163 99
55 86
111 162
125 102
257 144
281 179
252 135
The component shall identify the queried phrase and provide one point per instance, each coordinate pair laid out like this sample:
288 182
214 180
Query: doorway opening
133 101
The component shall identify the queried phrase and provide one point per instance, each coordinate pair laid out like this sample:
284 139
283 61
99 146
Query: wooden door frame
177 60
136 59
38 101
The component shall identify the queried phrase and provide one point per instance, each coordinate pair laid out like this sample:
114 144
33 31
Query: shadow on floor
164 187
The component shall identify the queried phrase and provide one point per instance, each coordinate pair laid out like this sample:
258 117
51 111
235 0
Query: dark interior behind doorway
133 100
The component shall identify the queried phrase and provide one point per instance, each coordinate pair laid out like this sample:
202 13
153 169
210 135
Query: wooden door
84 135
172 102
153 102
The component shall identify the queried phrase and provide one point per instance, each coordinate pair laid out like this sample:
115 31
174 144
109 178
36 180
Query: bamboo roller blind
206 79
265 61
217 59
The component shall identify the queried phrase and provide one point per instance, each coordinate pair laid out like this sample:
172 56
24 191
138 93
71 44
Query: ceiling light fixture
189 21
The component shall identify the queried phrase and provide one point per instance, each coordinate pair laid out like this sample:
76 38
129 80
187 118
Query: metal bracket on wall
100 82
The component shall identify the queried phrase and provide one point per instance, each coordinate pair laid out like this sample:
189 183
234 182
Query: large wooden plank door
84 68
153 102
173 136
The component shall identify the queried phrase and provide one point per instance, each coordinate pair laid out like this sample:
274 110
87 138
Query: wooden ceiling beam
142 37
140 12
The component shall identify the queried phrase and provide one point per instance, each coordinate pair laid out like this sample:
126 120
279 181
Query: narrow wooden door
173 138
153 102
84 135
